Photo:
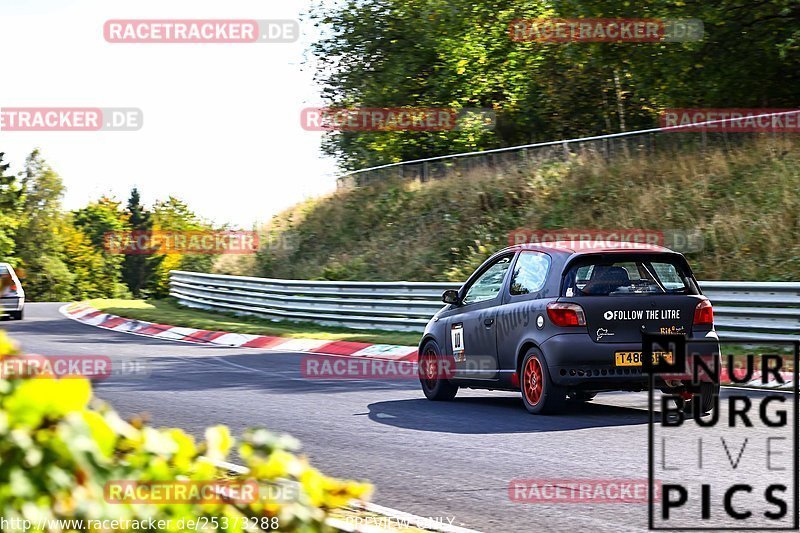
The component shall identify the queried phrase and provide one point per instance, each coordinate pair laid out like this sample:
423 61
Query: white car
12 297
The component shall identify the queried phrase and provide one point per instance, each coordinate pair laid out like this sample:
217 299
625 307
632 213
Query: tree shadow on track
483 415
69 332
38 325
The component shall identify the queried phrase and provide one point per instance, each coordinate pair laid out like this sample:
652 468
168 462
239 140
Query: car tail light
704 314
565 314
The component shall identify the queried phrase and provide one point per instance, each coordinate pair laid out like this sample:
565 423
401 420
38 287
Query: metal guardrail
769 311
747 309
398 306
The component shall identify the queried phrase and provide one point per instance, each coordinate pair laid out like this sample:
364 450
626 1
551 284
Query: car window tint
633 270
629 277
669 275
5 281
530 273
488 285
582 275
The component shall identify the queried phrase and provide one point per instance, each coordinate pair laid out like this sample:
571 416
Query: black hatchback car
560 322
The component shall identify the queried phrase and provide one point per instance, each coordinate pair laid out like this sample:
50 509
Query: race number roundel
457 338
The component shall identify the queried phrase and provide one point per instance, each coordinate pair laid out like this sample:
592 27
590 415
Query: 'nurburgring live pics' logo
733 467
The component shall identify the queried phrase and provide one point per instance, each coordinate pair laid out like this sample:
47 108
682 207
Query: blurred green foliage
59 448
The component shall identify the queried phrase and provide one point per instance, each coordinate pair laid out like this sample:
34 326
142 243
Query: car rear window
606 277
5 280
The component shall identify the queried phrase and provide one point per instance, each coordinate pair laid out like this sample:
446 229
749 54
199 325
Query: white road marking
367 506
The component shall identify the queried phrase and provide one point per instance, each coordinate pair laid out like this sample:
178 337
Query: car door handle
488 322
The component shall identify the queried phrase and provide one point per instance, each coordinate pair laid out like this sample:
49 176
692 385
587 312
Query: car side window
530 273
488 285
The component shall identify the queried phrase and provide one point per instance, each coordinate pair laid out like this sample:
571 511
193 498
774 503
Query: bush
59 449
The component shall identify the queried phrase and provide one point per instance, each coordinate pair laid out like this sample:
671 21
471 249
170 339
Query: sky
221 122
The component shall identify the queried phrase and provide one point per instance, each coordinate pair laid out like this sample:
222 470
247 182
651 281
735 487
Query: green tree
138 269
89 276
10 206
40 236
456 53
174 215
96 220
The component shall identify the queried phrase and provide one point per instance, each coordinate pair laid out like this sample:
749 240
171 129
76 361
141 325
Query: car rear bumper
575 360
11 303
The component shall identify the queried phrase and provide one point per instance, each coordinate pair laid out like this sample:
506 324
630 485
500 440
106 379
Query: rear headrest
606 279
610 274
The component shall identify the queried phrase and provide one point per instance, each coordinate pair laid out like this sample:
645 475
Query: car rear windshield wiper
654 277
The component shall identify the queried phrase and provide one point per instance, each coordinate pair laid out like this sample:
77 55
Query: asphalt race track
432 459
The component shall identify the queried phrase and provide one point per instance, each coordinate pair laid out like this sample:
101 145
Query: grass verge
742 200
168 312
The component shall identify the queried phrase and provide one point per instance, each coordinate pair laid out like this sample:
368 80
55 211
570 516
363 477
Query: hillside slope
746 202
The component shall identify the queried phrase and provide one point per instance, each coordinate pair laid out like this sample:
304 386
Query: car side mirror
450 296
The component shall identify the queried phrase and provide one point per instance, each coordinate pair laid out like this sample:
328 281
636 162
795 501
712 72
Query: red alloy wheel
532 381
427 367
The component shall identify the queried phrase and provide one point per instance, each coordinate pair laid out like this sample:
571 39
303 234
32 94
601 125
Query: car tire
431 363
706 396
16 315
539 394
